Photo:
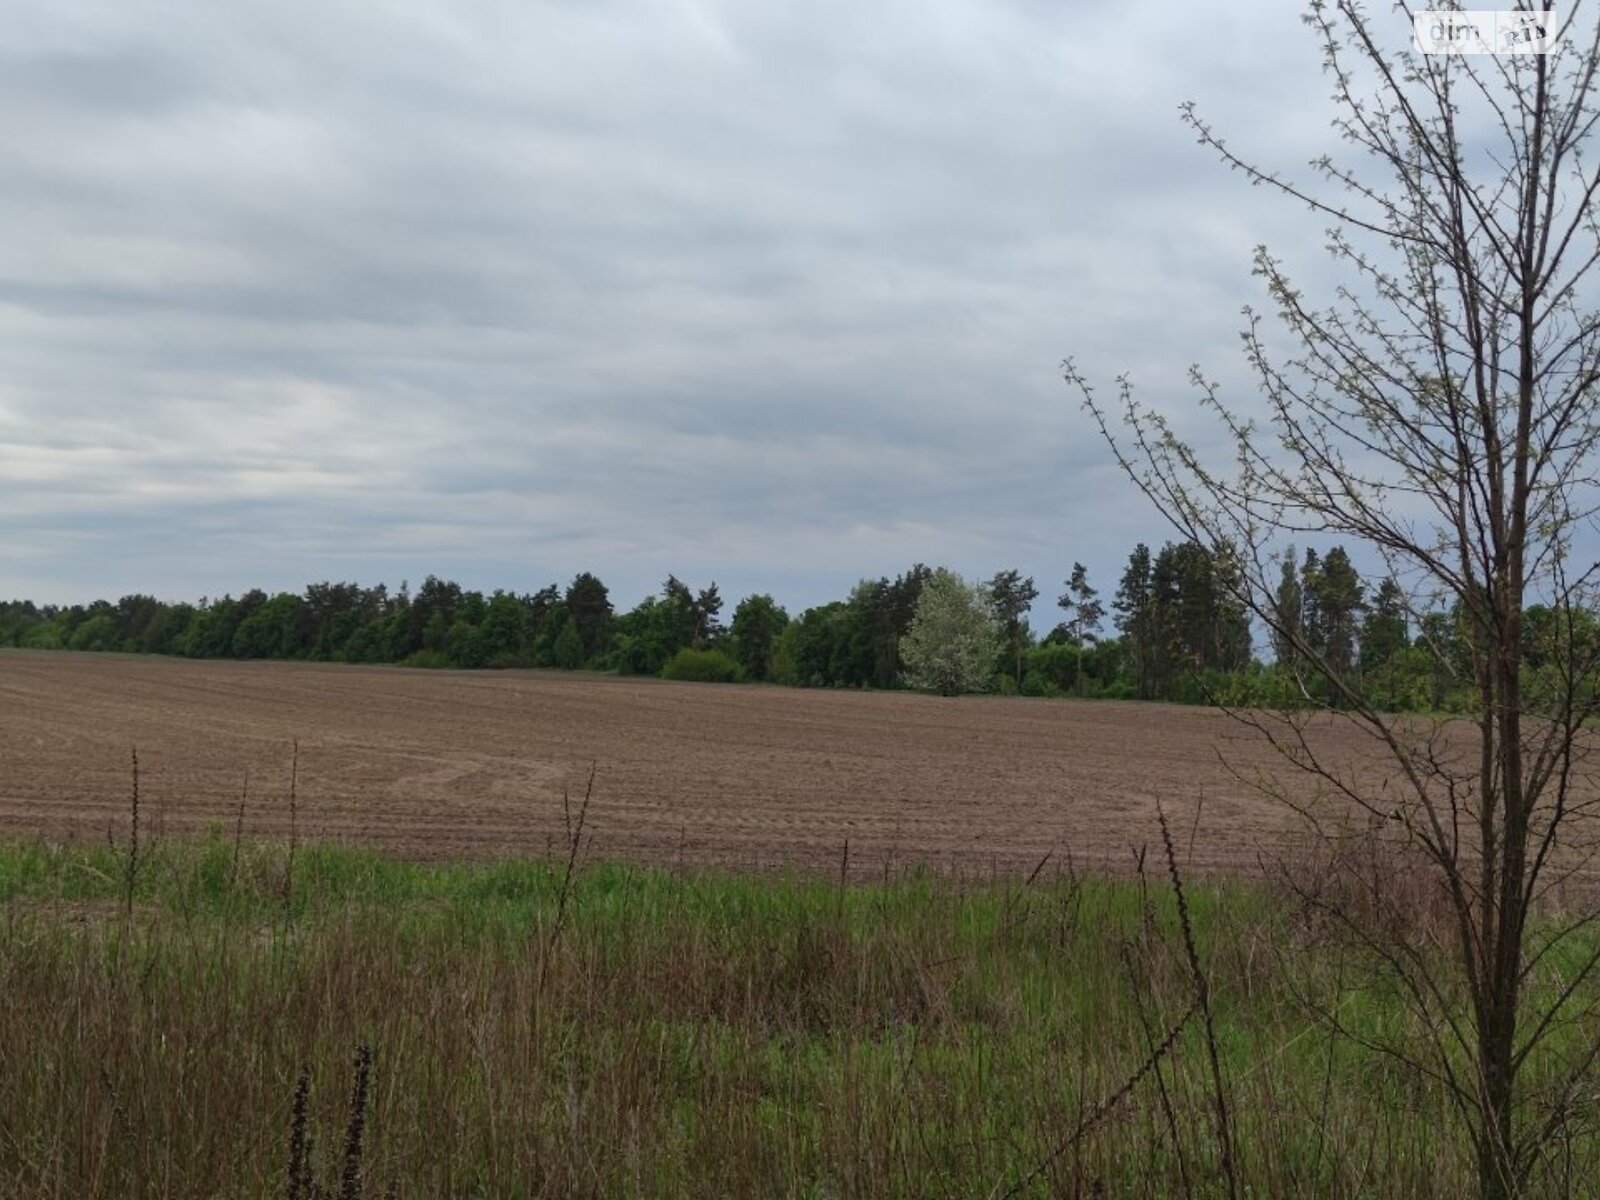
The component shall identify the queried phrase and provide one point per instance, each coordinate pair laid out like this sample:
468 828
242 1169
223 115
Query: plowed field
441 764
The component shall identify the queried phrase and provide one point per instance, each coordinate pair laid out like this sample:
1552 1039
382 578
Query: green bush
465 645
432 659
43 636
507 660
701 666
567 652
1036 684
97 633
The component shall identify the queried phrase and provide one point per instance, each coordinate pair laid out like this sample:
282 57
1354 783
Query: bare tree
1444 410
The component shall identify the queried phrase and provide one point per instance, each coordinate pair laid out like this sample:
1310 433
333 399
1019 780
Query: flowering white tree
954 637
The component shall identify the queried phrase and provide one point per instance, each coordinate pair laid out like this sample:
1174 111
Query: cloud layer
772 294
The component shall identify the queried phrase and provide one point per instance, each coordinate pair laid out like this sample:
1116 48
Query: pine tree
1084 612
707 605
1133 607
1385 631
1289 604
1013 595
1338 603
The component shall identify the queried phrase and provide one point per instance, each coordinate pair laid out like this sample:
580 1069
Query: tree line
1173 630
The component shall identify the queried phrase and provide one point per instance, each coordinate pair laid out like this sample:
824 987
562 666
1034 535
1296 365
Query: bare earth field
441 764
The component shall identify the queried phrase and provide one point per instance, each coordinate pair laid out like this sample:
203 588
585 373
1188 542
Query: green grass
680 1035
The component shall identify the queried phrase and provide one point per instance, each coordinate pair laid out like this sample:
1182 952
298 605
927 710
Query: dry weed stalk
574 830
1199 1004
299 1181
132 873
1102 1108
288 875
355 1129
1202 998
238 833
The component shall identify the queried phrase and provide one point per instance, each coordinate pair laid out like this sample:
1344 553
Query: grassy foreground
627 1032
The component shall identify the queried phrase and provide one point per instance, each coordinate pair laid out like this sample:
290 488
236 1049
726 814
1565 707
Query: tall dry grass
562 1029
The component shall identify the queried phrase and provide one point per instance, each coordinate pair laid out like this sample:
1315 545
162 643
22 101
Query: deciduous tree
1444 410
757 623
589 606
954 637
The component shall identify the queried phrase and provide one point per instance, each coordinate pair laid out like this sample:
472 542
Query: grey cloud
769 293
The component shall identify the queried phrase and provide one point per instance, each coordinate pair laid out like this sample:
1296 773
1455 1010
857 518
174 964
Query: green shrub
466 646
1036 684
507 660
97 633
567 652
1052 663
701 666
43 636
432 659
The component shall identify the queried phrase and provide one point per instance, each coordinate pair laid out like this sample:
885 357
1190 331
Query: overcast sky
768 293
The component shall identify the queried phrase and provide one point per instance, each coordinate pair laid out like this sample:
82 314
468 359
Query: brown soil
474 764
